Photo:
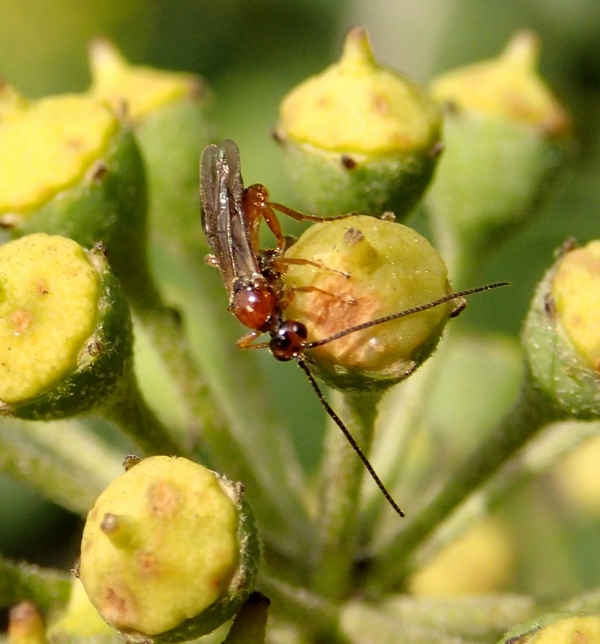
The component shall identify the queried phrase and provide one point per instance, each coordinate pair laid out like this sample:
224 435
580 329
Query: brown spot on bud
163 499
110 523
566 247
380 104
21 320
436 149
99 171
348 162
549 306
117 606
148 563
353 236
277 136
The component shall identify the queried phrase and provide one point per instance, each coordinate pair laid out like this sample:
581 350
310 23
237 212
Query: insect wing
223 215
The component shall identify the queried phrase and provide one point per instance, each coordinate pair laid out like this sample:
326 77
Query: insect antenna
403 314
338 421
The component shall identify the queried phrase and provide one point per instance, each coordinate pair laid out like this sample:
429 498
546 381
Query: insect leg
282 262
299 216
245 340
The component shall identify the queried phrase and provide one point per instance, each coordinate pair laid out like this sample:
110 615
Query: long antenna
402 314
337 420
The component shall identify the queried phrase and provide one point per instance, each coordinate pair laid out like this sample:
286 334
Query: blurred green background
251 52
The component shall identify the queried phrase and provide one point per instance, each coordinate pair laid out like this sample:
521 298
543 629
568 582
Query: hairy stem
341 481
47 589
532 412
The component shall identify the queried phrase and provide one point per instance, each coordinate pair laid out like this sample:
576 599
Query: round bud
560 334
169 551
505 138
391 268
69 167
65 330
167 111
359 136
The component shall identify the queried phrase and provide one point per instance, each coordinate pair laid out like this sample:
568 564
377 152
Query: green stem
63 460
165 329
47 589
310 612
537 457
342 474
399 422
129 411
478 618
528 416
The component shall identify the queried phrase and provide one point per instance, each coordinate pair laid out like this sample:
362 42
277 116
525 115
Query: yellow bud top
138 90
508 86
181 559
576 294
570 630
358 106
49 295
49 146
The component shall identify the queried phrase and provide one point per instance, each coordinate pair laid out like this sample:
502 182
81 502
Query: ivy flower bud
556 628
391 268
68 167
80 619
505 144
169 551
167 112
65 331
359 137
25 625
561 333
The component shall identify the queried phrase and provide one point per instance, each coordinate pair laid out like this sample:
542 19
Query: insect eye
288 341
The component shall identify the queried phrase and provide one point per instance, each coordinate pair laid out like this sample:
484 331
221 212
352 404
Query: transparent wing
225 227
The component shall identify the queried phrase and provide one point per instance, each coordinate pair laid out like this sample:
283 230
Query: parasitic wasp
258 297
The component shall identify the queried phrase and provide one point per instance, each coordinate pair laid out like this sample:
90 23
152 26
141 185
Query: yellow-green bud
391 268
25 625
485 555
359 136
65 331
507 87
48 147
80 619
138 90
167 110
169 549
560 335
68 167
505 144
556 628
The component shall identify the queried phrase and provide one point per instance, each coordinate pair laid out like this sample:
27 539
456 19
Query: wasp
258 297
